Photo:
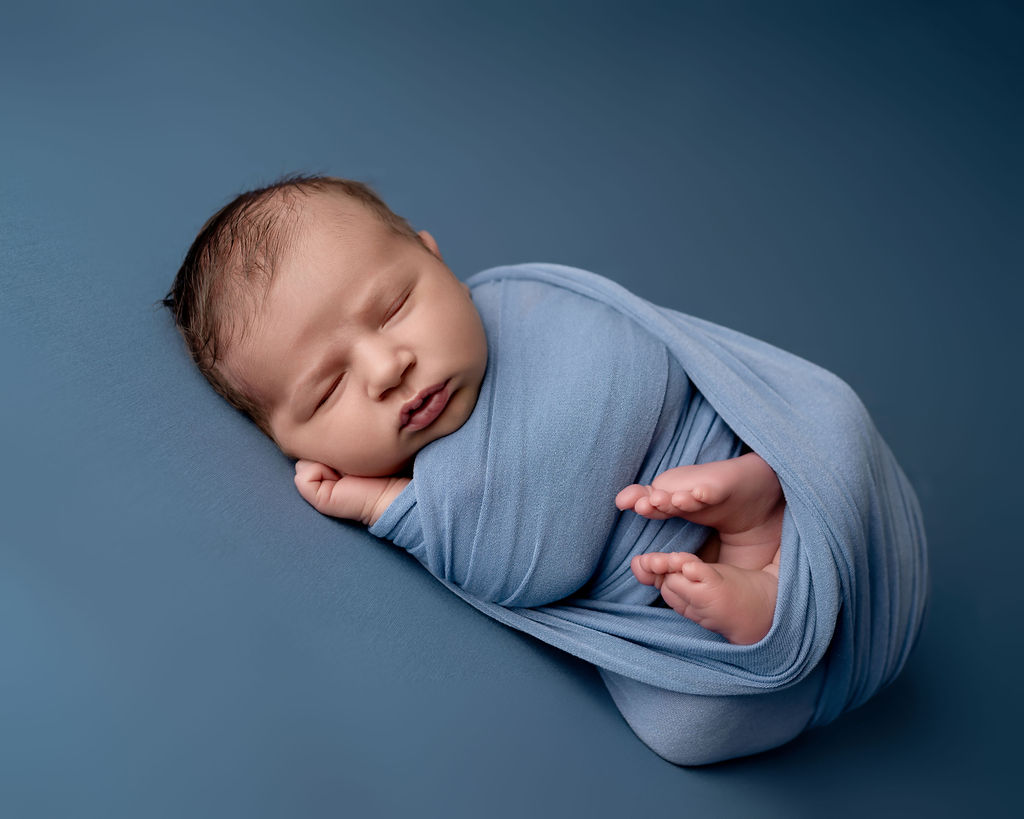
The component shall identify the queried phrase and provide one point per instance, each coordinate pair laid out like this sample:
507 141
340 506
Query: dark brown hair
231 263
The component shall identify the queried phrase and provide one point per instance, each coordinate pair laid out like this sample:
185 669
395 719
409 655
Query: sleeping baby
353 346
573 461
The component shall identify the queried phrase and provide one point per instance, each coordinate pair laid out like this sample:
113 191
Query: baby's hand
346 496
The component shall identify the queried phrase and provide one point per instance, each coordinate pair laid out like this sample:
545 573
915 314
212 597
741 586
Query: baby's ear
429 241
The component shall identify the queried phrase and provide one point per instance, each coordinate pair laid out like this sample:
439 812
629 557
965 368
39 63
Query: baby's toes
664 562
661 500
652 562
673 598
697 571
666 504
641 571
676 561
646 509
698 585
691 500
627 498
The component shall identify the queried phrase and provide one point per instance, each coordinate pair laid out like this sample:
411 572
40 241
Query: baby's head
337 328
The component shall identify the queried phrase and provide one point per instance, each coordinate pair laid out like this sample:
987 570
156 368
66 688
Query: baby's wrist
390 491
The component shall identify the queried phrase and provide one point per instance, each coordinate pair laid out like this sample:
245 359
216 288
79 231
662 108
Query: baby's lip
420 401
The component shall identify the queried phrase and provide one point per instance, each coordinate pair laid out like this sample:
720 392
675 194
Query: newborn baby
313 308
497 429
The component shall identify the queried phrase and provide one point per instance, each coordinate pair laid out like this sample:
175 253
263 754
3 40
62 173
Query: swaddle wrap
514 511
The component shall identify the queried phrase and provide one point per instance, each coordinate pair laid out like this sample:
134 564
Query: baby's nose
388 371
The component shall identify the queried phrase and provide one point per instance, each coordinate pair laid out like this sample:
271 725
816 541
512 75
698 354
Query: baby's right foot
737 603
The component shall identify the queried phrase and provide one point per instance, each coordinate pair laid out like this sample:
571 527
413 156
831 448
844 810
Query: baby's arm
346 496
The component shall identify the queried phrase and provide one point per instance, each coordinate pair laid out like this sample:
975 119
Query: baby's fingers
315 482
312 472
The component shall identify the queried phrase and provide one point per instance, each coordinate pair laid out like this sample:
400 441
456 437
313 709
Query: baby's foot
738 495
737 603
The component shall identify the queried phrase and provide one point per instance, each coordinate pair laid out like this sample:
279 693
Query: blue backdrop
180 635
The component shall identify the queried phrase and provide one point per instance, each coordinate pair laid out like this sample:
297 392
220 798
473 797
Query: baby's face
366 347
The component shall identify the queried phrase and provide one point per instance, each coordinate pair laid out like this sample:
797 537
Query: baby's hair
231 264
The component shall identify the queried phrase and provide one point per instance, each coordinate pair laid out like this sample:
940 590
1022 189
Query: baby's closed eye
331 389
395 307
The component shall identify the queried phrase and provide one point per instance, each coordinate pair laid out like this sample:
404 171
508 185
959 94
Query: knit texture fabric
589 388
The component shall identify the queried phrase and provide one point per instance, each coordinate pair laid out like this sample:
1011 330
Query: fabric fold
590 388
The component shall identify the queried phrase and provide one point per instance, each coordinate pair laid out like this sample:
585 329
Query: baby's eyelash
397 305
330 391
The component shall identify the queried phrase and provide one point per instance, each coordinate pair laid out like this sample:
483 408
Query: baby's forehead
288 216
319 236
329 209
330 229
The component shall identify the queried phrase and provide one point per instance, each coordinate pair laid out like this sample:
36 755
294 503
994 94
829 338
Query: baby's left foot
740 497
737 603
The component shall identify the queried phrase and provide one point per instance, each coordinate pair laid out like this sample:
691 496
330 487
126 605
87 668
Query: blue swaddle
514 511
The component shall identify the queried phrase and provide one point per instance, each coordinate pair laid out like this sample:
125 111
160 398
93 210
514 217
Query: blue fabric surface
184 636
514 511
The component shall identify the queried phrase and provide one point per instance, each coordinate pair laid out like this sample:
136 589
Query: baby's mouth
423 409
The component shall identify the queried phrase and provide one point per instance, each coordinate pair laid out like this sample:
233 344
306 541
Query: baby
342 333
